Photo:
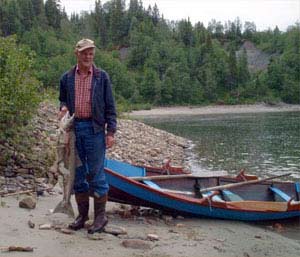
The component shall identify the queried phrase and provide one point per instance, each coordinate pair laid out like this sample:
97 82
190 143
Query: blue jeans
90 177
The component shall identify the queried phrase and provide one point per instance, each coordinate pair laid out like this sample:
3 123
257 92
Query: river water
264 144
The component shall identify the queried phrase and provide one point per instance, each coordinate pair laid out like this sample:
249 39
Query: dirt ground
176 237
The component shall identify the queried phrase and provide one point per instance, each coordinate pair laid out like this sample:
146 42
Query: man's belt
82 119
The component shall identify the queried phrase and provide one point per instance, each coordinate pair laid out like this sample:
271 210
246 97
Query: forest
151 61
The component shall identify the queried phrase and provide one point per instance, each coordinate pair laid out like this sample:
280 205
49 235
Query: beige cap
83 44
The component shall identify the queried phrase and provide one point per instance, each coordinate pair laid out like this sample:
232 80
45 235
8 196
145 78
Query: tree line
151 60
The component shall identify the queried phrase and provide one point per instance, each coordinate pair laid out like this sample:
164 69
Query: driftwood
25 192
17 249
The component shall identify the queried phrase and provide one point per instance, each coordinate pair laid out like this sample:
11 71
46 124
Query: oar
241 183
215 188
163 177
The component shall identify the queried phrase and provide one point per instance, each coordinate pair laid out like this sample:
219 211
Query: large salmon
66 161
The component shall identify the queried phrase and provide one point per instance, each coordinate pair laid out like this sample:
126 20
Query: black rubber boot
100 220
82 200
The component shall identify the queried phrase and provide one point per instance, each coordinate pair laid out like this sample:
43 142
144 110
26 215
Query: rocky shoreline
141 144
25 161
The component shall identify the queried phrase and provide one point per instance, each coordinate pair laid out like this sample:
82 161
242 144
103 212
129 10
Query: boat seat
230 196
151 184
280 196
215 198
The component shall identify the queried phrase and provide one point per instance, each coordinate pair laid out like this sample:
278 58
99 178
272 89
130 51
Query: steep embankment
257 59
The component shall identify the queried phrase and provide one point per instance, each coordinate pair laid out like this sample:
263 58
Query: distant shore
213 109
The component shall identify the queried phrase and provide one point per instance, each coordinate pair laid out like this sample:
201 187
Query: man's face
85 58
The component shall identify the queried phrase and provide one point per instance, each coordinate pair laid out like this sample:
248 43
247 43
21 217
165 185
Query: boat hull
138 194
179 194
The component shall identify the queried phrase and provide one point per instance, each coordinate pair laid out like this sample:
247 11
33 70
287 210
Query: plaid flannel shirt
83 87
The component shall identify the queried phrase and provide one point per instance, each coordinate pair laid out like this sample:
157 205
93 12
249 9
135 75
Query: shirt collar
89 72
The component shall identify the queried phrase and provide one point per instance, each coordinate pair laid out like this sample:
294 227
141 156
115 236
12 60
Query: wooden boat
237 198
166 169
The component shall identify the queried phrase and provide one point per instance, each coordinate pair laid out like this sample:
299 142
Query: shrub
18 87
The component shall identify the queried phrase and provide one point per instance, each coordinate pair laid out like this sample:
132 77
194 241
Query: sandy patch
180 237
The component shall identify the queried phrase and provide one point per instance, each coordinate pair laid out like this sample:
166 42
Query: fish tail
65 207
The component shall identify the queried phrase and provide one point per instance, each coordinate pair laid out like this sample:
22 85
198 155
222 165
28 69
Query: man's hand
110 140
62 112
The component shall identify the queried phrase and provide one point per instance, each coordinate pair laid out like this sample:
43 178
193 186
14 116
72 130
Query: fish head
66 122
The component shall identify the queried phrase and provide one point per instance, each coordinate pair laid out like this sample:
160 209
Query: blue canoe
179 194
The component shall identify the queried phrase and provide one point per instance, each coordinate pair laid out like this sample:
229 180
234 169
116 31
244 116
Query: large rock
27 203
136 244
115 230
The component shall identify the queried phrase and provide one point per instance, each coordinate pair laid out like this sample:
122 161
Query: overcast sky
265 13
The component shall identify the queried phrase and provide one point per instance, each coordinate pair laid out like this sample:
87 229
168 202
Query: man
86 92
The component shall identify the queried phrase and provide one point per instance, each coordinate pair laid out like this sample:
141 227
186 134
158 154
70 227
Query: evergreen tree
118 24
150 86
216 29
100 26
242 69
155 15
26 14
135 10
233 71
140 43
276 41
39 13
52 12
10 21
275 75
210 84
249 30
200 34
185 31
38 7
291 57
168 86
233 31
